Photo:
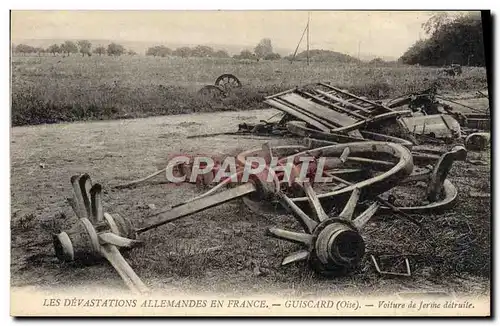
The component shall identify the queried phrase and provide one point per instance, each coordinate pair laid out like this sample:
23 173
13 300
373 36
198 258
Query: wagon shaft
199 205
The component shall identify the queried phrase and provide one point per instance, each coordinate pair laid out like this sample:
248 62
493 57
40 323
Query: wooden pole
300 41
308 22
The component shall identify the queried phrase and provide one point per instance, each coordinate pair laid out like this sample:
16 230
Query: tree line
67 48
453 40
263 50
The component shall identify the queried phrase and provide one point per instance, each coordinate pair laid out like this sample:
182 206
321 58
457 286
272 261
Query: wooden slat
310 114
297 114
348 99
335 117
344 102
357 97
379 117
324 101
279 94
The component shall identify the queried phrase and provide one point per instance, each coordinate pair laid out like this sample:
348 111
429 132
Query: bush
272 56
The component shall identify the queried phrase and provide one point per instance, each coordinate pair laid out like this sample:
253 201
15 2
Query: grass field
54 89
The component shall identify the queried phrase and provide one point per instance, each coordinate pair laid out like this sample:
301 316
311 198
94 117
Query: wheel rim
211 92
228 81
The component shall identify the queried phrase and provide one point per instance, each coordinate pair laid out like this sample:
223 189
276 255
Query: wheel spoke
78 200
295 257
116 240
96 203
338 179
364 217
301 238
314 202
85 185
267 152
307 223
349 208
343 171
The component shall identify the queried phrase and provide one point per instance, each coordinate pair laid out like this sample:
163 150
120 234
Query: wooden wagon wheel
373 167
441 194
212 92
228 81
331 245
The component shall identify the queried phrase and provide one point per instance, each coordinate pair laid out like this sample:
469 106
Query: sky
379 33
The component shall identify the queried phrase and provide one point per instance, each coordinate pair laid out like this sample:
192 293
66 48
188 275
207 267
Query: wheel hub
336 247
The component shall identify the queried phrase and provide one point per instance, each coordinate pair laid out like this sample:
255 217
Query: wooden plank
335 117
380 117
297 114
324 101
348 99
311 115
281 93
357 97
344 102
197 205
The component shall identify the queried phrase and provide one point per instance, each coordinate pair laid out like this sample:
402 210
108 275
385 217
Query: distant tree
131 52
457 40
272 56
100 50
183 52
221 54
245 54
152 51
25 49
376 61
263 48
436 21
159 51
115 49
40 51
54 49
163 51
85 47
202 51
20 48
69 47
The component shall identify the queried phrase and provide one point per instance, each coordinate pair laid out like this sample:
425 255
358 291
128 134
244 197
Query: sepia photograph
250 163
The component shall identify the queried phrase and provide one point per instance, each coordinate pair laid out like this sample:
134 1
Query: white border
178 5
254 5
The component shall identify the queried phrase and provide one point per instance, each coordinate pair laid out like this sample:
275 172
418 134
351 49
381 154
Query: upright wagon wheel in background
212 92
228 81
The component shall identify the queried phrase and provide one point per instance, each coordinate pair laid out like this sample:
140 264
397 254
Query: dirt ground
241 258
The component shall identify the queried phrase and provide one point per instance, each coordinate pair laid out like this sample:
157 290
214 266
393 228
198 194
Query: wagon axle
98 235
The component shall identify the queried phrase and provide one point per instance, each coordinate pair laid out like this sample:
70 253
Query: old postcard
250 163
